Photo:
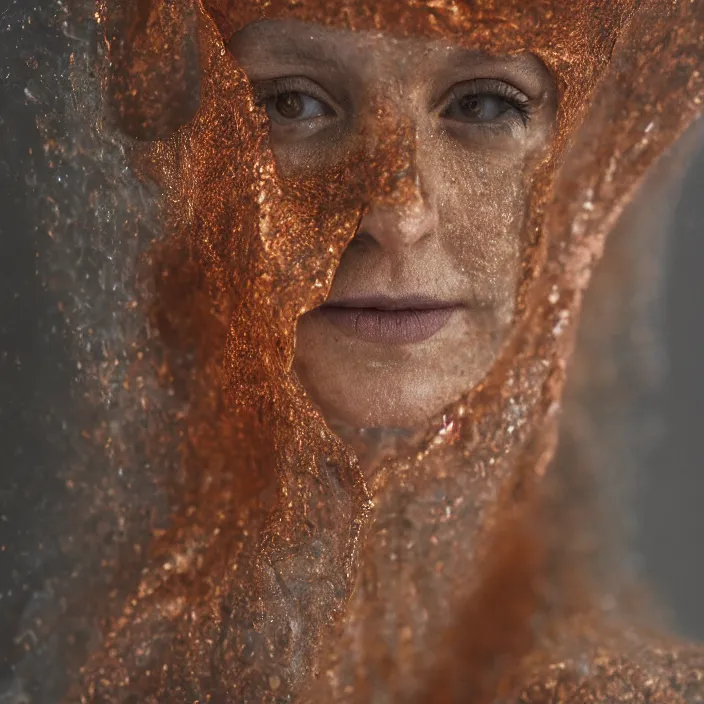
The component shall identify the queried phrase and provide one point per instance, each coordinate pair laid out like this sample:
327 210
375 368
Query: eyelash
273 89
493 87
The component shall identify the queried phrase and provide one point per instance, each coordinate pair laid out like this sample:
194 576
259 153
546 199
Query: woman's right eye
289 107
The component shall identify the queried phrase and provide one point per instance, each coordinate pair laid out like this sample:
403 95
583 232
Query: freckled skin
456 236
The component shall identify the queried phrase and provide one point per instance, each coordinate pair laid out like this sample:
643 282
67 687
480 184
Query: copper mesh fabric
284 575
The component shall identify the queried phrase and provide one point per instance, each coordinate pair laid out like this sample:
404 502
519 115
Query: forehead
573 38
291 44
479 22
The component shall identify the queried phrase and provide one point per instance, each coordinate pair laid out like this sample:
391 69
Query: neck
437 547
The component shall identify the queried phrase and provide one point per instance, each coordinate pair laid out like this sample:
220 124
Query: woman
425 291
377 247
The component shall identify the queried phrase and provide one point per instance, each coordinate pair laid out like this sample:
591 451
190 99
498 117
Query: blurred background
669 491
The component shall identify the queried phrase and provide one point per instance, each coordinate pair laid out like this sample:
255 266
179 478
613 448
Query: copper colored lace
283 575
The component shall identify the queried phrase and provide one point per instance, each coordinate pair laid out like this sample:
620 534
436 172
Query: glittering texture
283 574
154 78
621 666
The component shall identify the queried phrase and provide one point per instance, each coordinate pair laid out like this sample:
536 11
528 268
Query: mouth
390 321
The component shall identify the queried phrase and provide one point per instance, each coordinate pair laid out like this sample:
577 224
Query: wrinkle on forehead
294 44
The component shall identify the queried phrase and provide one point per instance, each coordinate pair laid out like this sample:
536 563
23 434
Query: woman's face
425 292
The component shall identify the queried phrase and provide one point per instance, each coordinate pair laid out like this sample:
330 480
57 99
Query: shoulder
672 674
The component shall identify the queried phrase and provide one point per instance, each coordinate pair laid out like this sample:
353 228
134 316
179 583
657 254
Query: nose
399 225
397 173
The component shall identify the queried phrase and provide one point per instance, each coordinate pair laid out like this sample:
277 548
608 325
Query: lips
389 321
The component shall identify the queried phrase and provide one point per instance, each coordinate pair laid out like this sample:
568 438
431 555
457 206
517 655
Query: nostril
363 238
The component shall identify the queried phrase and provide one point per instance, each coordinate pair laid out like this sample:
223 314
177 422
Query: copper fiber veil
275 570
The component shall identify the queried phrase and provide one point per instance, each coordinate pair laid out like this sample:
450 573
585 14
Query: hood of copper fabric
279 577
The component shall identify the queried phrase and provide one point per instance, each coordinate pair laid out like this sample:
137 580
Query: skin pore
425 292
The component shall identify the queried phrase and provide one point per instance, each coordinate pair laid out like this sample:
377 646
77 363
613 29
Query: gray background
669 500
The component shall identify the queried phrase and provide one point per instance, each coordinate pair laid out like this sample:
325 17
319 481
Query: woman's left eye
294 106
478 108
485 102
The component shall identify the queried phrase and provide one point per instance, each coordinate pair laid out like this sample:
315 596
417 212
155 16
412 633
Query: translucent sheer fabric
229 546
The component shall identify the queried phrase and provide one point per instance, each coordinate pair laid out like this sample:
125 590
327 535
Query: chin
392 418
397 403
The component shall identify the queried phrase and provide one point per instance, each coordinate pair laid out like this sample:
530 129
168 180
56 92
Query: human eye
487 102
293 101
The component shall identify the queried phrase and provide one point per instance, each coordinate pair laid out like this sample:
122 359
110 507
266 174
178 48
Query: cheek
482 201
